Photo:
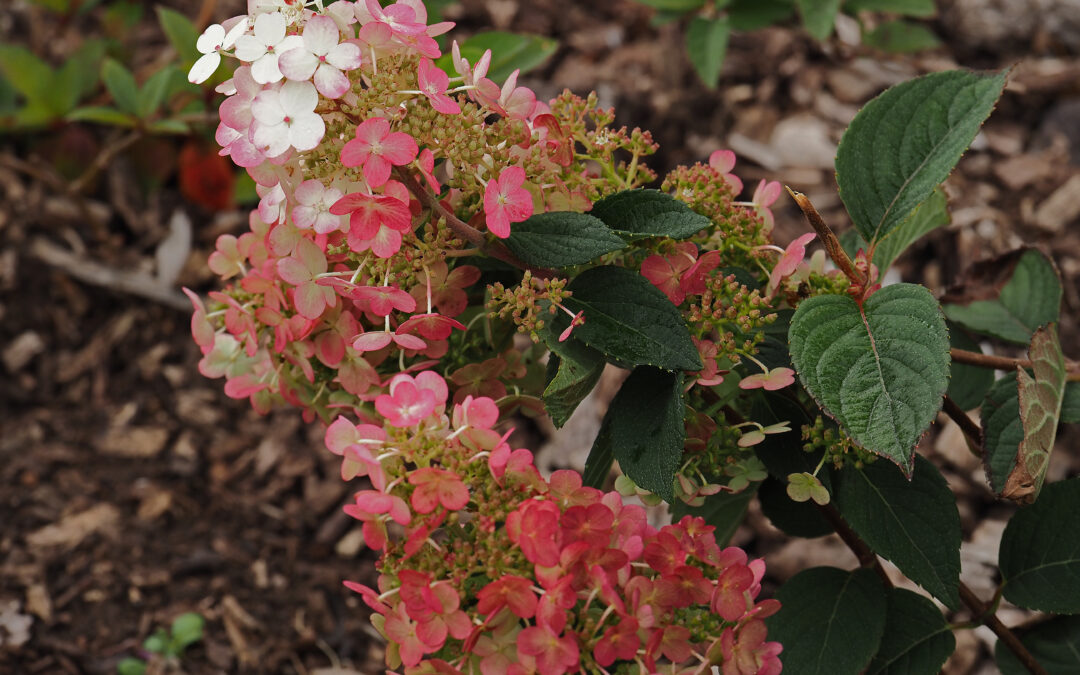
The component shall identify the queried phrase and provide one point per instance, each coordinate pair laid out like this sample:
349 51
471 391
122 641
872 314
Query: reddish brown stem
985 613
866 556
825 234
1002 362
967 425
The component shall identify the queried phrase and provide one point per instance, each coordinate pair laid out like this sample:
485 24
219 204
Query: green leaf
78 76
509 52
644 430
157 643
1002 430
928 216
1040 551
968 384
638 214
773 350
818 16
1040 400
723 510
783 454
748 15
1055 644
101 115
880 372
906 7
153 91
906 141
28 74
917 639
1070 403
169 127
1007 297
181 33
120 83
629 320
830 621
674 5
187 629
901 37
131 666
574 370
706 44
915 525
561 239
796 519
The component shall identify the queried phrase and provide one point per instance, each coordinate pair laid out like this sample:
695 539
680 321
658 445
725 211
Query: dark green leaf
1070 405
1007 297
915 524
644 430
723 510
562 239
906 7
574 370
906 141
783 454
747 15
1040 551
818 16
28 74
169 127
101 115
598 463
629 320
830 621
1055 644
917 639
181 33
773 350
153 91
796 519
509 52
930 215
901 37
968 384
637 214
1002 430
706 44
121 85
880 372
674 5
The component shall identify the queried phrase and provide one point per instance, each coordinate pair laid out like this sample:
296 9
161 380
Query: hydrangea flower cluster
488 567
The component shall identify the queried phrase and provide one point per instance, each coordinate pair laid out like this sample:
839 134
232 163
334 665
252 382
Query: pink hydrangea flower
724 161
765 195
302 270
286 117
376 149
437 487
789 262
323 57
775 379
433 84
505 201
263 48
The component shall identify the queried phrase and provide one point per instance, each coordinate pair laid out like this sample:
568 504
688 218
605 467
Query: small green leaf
157 643
28 74
1002 430
153 92
181 33
169 127
818 16
906 141
561 239
830 621
1007 297
638 214
644 430
101 115
187 629
121 85
78 76
574 370
748 15
1040 551
674 5
880 372
915 525
928 216
1040 400
629 320
901 37
706 44
723 510
917 639
905 7
1055 644
131 666
968 384
796 519
509 52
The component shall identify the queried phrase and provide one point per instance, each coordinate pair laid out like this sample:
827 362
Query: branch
825 234
985 613
1001 362
466 231
866 556
967 425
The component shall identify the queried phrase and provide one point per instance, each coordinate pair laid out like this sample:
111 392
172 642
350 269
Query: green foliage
573 370
968 384
1002 430
917 639
1007 297
629 320
818 16
638 214
509 52
915 524
747 15
1055 644
901 37
186 630
926 217
562 239
120 83
1040 551
675 5
879 370
830 621
48 94
182 34
644 430
795 519
724 511
906 141
921 8
706 44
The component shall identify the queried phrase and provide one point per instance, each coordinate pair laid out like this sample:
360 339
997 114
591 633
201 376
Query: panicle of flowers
488 567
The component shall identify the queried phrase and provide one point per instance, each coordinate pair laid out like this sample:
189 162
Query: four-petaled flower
505 201
433 84
286 117
263 48
323 57
376 149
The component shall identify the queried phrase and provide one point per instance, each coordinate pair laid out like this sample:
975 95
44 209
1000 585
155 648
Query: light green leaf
131 666
915 525
561 239
723 510
1040 551
830 621
818 16
78 76
629 320
1040 408
1002 430
1055 644
968 384
879 371
674 5
509 52
169 127
121 85
706 44
187 629
917 639
1007 297
644 430
901 37
906 141
153 91
928 216
573 370
28 74
905 7
639 214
